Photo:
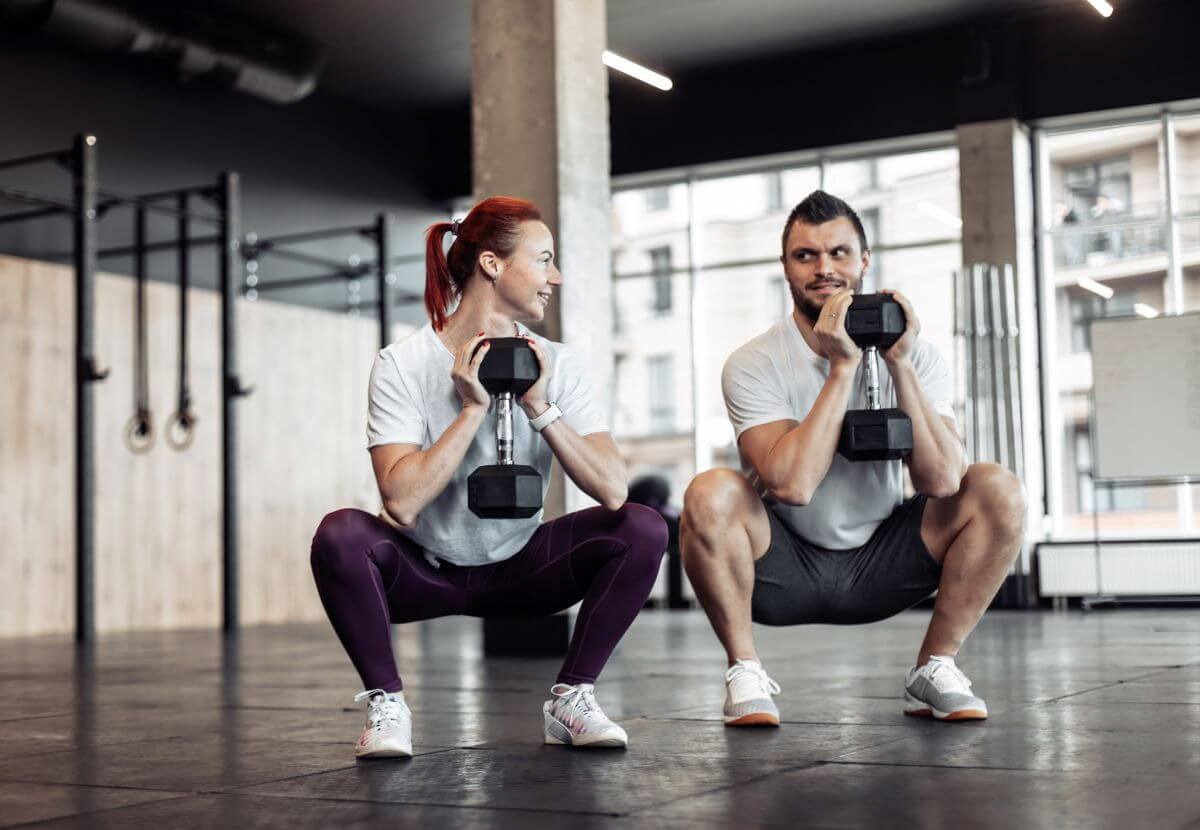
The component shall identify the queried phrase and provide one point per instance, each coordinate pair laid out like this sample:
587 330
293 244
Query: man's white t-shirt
412 400
777 376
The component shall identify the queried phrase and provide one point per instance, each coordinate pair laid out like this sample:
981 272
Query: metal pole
972 367
383 245
229 267
58 155
995 358
84 187
1012 334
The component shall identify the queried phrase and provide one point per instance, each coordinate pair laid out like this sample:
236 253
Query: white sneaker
748 692
388 733
573 717
939 689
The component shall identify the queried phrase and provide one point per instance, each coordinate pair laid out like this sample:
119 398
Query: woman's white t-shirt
412 400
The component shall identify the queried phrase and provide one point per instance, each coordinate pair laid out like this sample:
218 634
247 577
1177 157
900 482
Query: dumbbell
505 490
874 434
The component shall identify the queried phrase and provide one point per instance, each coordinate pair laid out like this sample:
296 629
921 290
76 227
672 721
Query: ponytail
439 285
492 225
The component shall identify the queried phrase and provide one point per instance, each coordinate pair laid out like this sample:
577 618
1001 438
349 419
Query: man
809 537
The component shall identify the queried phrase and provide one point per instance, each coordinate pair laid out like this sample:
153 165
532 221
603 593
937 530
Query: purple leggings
370 575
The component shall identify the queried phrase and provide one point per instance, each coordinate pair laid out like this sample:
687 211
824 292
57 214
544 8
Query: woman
428 427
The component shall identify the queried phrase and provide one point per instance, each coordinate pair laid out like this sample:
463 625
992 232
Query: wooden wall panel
159 514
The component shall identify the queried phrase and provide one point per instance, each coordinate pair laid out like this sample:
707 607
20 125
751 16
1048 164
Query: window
774 184
1103 498
660 374
1084 309
660 267
658 198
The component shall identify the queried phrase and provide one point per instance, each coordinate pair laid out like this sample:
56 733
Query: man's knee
996 493
715 498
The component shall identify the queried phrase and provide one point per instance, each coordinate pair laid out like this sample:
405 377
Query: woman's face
528 278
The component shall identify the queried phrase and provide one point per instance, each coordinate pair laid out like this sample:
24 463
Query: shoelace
945 676
576 698
739 674
382 711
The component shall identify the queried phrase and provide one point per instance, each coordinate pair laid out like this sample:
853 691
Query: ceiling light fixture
1095 287
1145 310
1103 6
635 70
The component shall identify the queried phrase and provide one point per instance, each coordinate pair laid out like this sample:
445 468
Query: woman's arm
409 478
593 461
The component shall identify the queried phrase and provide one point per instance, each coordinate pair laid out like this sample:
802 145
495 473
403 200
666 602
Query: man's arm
938 460
792 458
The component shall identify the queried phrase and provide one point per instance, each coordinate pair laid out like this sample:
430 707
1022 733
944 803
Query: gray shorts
798 582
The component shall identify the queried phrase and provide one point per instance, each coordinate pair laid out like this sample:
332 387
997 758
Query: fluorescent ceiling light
1103 6
1145 310
939 214
636 70
1095 287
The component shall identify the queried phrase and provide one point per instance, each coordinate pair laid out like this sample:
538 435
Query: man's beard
810 309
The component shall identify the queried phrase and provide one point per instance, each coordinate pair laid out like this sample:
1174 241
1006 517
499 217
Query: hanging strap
139 432
181 427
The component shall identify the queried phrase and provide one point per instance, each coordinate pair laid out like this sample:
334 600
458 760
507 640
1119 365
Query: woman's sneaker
388 733
573 717
748 693
940 690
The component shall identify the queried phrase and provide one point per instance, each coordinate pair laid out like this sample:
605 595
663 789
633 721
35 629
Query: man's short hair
818 208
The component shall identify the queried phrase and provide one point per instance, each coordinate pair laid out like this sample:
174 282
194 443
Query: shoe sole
754 719
383 753
915 709
556 734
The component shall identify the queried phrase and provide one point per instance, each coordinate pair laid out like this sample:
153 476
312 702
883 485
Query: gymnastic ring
139 433
186 423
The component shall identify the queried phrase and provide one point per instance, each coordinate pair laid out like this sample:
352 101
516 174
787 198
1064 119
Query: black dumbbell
506 490
874 321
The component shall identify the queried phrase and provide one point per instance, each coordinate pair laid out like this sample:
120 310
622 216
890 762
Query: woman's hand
466 373
534 401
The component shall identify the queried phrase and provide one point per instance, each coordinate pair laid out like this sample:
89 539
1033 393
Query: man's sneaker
388 733
574 718
748 693
939 689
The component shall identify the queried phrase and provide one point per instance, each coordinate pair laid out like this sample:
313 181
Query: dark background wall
1056 61
321 162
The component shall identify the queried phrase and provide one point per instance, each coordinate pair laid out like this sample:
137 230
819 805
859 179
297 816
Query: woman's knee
645 532
334 541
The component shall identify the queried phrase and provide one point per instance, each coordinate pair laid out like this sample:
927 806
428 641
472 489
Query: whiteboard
1147 397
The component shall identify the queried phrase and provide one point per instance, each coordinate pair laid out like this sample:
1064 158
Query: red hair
492 225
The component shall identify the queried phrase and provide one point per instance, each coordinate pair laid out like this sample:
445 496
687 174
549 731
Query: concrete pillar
996 191
539 116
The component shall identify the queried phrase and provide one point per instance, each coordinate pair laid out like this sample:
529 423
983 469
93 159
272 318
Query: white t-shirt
777 376
413 401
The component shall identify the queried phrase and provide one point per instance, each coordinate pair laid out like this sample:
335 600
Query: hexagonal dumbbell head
875 435
874 320
509 366
504 491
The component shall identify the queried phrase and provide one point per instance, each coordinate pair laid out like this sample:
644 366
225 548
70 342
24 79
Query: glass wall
1107 238
677 320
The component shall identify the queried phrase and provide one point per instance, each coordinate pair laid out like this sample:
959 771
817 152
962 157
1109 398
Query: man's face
821 260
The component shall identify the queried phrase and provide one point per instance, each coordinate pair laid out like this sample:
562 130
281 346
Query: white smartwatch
552 414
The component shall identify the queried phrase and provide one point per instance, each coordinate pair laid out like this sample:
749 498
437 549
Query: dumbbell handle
504 428
872 377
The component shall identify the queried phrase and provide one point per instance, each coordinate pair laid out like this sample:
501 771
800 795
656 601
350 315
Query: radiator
1126 569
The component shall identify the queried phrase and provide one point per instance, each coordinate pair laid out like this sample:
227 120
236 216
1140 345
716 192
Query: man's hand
830 331
902 349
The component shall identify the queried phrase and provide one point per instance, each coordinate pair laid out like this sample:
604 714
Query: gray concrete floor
1095 723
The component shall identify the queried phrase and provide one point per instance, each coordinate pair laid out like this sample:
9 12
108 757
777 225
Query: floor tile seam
40 821
456 806
90 786
783 768
1032 770
355 765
